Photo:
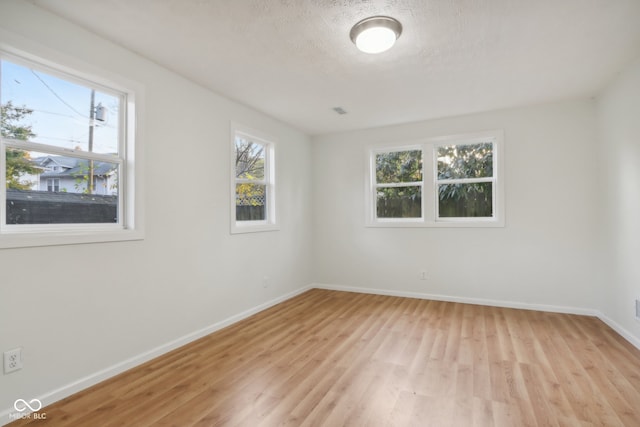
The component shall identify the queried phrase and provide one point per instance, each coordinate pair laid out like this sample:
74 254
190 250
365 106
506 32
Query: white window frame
130 207
430 200
270 222
373 188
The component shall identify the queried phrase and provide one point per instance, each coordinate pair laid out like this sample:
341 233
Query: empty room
320 213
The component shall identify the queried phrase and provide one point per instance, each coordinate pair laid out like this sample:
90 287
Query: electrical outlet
423 275
638 309
12 360
265 282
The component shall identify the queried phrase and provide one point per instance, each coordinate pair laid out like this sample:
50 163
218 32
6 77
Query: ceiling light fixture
376 34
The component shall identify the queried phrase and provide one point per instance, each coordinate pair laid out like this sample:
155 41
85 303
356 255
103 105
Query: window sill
27 240
253 227
459 223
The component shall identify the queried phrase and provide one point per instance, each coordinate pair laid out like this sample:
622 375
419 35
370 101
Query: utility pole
92 122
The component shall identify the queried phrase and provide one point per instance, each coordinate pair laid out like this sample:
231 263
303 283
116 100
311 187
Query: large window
253 182
448 181
66 156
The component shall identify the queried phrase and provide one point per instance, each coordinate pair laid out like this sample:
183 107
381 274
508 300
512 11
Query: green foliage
250 194
10 117
399 166
465 161
81 179
17 161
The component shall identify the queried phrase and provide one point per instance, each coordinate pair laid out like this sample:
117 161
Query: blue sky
61 108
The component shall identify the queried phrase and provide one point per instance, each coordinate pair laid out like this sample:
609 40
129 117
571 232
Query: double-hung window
398 184
253 191
453 181
66 157
465 180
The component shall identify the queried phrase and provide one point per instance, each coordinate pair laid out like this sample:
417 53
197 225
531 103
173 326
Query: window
465 180
53 185
398 184
449 181
66 157
253 182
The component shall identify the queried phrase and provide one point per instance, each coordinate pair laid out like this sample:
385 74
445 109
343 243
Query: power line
98 125
54 113
58 96
61 139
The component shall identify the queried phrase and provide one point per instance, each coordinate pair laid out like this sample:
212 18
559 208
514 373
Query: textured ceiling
293 59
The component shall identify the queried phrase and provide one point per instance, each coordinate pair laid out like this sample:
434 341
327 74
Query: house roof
73 167
67 162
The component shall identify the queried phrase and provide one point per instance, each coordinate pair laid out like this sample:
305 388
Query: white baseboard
620 330
90 380
466 300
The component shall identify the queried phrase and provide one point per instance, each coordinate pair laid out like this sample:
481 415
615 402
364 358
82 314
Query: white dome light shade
376 40
376 34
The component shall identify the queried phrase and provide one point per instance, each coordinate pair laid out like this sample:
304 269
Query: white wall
619 120
547 254
79 309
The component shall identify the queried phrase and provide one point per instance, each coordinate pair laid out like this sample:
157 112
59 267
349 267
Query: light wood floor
328 358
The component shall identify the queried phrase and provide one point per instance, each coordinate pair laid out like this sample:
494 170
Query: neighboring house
68 174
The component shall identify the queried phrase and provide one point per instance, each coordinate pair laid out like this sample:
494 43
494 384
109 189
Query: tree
17 161
81 178
399 166
250 166
249 159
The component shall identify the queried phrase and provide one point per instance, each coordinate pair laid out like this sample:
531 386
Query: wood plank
328 358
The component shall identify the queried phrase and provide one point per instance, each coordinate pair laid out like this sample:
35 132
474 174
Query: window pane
465 161
43 108
399 166
465 200
249 159
399 202
49 189
251 202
